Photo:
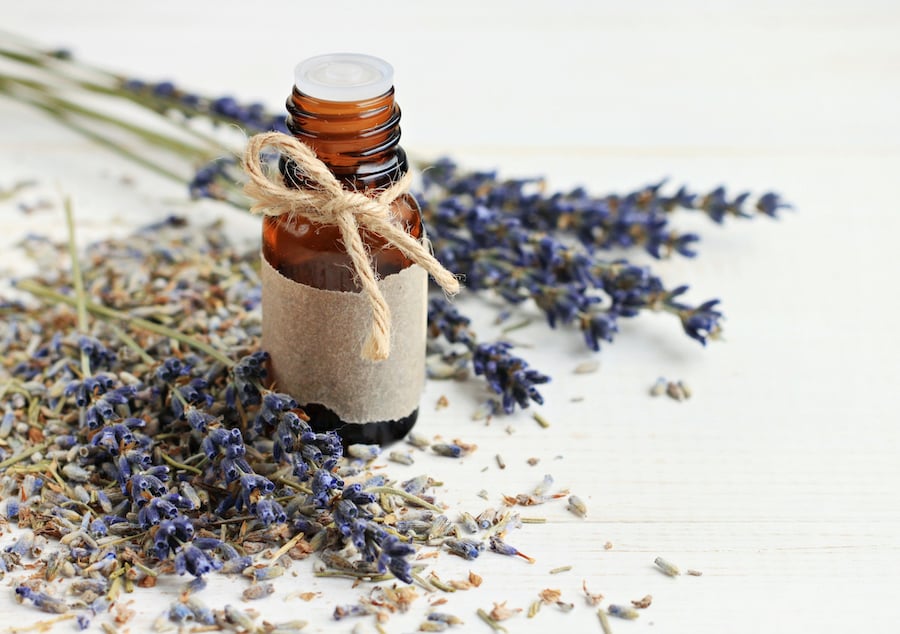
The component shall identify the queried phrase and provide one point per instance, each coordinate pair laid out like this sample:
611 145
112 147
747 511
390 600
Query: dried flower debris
549 596
500 612
492 622
539 495
667 567
497 545
455 449
643 602
417 440
676 390
622 611
401 457
604 622
593 599
577 506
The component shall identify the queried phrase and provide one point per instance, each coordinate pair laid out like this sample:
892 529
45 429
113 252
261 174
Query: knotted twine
328 203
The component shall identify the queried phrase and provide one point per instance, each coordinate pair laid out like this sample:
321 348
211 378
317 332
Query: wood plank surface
779 478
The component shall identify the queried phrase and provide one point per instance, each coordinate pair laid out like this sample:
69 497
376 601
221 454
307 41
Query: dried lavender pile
136 447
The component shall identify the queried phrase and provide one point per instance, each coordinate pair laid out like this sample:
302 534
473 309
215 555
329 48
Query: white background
778 479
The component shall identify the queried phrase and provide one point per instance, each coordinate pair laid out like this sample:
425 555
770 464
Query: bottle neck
357 140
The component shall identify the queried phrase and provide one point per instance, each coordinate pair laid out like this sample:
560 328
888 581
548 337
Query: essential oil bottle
314 316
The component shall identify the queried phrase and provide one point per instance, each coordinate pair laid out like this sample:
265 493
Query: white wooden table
778 479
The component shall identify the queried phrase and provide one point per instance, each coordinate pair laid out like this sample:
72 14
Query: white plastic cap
344 77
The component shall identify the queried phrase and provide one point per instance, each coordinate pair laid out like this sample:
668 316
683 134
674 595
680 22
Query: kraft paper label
314 338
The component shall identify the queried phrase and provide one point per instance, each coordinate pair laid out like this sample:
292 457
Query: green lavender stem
409 497
49 63
27 453
178 465
39 290
78 283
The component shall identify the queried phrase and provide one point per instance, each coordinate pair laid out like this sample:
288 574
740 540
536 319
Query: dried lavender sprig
215 178
71 115
62 69
638 218
507 375
218 176
164 96
570 285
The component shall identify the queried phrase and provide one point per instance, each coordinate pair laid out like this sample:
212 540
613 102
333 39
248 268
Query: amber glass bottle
342 106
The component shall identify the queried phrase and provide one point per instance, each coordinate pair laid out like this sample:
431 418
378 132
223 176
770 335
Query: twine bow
328 203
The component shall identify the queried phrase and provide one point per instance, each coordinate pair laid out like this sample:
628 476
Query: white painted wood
778 479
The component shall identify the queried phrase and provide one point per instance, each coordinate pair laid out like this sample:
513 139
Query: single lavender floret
622 611
253 486
99 356
393 557
465 548
270 512
354 493
180 612
194 561
447 449
499 546
350 610
171 369
703 322
42 600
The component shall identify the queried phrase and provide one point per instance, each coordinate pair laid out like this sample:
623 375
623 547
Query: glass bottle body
358 141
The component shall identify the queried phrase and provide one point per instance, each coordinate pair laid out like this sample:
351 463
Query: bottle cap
344 77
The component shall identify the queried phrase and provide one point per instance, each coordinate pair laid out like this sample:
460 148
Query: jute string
328 203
